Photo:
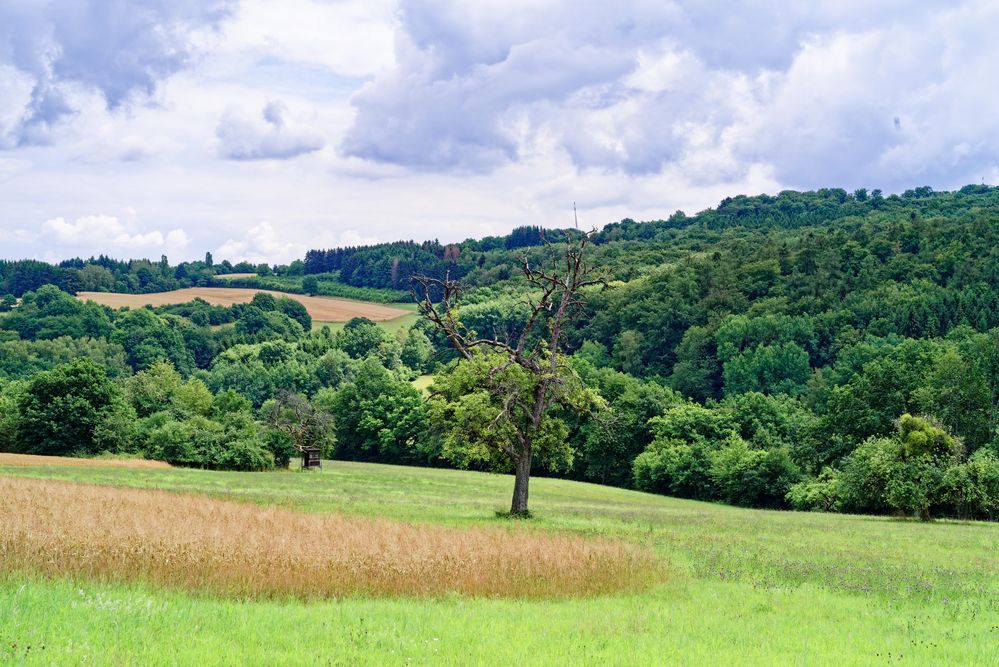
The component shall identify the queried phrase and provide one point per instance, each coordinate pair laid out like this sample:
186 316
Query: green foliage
957 393
752 477
475 426
148 338
859 307
782 368
697 371
304 424
257 324
821 493
10 415
416 350
259 371
23 358
361 337
905 473
376 416
51 313
73 409
701 453
610 443
675 468
205 443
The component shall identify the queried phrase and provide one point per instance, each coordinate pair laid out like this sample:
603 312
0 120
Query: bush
752 477
675 469
74 409
821 494
909 473
205 443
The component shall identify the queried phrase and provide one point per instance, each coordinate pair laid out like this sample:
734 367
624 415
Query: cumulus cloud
52 52
713 88
106 234
262 244
893 106
269 136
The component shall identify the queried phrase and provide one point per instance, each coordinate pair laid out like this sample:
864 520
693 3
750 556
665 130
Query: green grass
744 587
403 322
327 287
423 382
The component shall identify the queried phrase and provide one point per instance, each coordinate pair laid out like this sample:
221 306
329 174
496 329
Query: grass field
423 383
234 276
739 587
7 459
393 325
321 308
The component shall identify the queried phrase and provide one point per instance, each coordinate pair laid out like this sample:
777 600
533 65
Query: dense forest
813 350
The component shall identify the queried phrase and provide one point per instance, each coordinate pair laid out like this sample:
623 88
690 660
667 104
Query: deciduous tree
527 375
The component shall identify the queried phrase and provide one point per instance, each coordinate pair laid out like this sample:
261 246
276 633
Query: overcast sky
258 128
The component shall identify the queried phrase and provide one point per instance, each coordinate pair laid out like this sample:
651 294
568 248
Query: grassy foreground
742 587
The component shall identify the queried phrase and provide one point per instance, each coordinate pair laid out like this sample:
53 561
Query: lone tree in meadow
499 405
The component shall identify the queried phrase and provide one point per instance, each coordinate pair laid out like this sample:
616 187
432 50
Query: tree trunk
522 478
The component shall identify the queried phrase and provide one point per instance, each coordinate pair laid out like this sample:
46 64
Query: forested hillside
819 350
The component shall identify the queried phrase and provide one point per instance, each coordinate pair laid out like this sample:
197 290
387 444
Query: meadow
400 323
320 308
735 586
234 276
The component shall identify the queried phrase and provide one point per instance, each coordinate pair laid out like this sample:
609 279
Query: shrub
752 477
675 469
73 409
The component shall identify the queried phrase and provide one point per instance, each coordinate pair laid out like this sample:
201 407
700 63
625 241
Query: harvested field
234 276
196 543
321 308
32 460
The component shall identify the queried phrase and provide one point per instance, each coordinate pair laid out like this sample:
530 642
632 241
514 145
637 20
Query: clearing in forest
321 308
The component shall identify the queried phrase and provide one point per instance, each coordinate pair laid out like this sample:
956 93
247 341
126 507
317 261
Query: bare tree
305 424
556 290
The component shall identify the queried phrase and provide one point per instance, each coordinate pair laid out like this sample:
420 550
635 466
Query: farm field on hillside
739 586
321 308
391 326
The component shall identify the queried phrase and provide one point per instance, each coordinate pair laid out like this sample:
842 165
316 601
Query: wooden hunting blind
310 458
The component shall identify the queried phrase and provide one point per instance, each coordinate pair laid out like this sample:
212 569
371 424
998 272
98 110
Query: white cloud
262 243
59 49
457 119
106 234
350 38
272 135
710 89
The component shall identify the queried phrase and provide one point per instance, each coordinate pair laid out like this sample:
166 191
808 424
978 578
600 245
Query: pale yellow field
234 276
32 460
60 528
321 308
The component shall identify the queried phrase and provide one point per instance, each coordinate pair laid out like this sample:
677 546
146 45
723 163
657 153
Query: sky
256 129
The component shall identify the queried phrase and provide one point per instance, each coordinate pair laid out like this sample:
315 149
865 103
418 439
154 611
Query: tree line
824 350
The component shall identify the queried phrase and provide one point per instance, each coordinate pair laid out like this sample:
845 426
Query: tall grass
226 548
33 460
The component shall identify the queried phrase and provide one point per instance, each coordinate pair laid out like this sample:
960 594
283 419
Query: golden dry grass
226 548
321 308
34 460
